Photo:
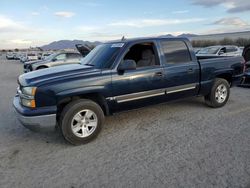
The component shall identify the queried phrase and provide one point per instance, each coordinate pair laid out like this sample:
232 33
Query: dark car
246 78
119 76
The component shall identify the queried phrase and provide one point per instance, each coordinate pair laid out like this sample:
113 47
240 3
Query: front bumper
32 120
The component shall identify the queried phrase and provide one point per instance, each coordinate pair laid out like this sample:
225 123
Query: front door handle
159 74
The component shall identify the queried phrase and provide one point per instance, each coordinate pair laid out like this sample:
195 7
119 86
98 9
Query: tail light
244 65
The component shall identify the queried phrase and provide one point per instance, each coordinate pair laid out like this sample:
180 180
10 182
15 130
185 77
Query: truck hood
40 77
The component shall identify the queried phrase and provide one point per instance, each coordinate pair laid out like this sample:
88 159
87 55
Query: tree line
226 41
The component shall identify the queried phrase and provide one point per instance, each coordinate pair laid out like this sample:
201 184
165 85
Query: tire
81 121
219 93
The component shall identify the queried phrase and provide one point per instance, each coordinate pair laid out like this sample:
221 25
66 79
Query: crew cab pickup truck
118 76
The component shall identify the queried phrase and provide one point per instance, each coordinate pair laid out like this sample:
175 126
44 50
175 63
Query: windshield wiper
89 65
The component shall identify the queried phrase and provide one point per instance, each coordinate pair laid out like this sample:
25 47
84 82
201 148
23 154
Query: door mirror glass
127 65
221 52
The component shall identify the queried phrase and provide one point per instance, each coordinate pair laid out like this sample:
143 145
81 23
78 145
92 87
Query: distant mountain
187 35
64 44
168 35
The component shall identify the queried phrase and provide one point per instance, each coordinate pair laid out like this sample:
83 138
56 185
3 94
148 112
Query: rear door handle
190 70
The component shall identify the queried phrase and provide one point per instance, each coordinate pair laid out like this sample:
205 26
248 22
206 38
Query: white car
29 56
220 51
45 55
10 55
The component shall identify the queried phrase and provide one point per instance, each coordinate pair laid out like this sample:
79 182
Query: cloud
87 28
64 14
140 23
233 21
92 4
8 25
20 41
35 13
180 12
232 6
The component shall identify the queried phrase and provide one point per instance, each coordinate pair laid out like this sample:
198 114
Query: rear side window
175 52
231 49
74 56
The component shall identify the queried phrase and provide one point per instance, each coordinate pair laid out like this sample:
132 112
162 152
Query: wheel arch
42 66
226 76
94 96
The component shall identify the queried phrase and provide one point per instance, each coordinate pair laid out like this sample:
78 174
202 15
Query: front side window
143 54
175 52
61 57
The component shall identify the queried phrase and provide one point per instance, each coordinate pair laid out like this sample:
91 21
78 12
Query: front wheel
81 121
219 93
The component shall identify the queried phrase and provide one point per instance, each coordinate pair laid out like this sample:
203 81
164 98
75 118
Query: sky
38 22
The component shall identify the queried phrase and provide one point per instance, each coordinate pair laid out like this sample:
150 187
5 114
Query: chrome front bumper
38 123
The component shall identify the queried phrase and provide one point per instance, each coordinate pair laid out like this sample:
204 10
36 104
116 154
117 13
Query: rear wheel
219 93
81 121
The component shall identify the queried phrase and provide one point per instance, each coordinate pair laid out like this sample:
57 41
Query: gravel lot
179 144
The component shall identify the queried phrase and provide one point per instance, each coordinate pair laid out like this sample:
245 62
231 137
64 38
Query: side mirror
221 53
54 59
127 65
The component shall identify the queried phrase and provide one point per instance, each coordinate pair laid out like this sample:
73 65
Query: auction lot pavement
179 144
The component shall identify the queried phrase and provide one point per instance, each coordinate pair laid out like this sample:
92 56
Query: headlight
31 91
27 96
28 103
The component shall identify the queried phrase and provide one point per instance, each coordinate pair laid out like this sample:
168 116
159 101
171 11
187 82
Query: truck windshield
102 56
209 50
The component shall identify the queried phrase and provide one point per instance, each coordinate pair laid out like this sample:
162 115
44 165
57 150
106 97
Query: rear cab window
175 52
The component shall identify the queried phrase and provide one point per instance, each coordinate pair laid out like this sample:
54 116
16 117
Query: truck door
181 73
145 82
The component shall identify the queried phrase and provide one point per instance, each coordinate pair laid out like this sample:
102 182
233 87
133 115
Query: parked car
219 51
45 55
57 59
118 76
9 55
29 56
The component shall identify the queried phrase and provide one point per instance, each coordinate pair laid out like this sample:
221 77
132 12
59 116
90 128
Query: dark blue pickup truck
118 76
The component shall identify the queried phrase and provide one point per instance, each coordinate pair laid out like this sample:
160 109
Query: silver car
227 50
57 59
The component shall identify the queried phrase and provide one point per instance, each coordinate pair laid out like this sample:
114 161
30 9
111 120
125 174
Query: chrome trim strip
180 88
141 97
152 93
23 95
